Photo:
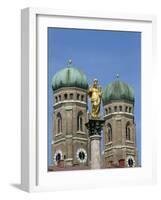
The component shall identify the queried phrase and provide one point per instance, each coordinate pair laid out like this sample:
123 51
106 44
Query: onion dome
118 91
69 77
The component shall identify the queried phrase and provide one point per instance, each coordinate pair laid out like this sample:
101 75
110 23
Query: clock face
58 156
130 161
81 155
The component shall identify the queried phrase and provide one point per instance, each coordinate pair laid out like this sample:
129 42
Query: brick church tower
70 146
119 129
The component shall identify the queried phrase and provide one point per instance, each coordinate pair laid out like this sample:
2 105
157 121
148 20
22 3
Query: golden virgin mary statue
95 94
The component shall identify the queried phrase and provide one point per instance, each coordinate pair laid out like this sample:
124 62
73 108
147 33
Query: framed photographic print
86 103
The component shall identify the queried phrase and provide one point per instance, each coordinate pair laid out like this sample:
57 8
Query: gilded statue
95 94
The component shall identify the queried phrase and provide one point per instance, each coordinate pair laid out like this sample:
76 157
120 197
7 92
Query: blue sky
101 55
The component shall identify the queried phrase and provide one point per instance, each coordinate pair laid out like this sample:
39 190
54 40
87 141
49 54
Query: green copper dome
69 77
118 90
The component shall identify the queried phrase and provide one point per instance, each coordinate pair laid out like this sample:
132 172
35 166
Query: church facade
71 147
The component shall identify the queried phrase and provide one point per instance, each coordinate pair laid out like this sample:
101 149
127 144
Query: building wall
119 149
70 141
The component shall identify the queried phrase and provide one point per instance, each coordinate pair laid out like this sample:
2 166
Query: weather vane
69 62
117 76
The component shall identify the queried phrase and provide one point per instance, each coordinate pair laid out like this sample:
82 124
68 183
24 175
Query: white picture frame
34 175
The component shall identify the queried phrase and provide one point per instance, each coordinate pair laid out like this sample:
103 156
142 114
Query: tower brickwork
70 136
70 147
119 129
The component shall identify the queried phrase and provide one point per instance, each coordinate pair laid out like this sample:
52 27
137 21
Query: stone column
94 127
95 151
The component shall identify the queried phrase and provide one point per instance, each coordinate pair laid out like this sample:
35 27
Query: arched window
115 108
109 110
82 97
65 96
109 133
56 99
126 109
71 96
106 111
78 96
128 131
80 121
59 123
59 97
